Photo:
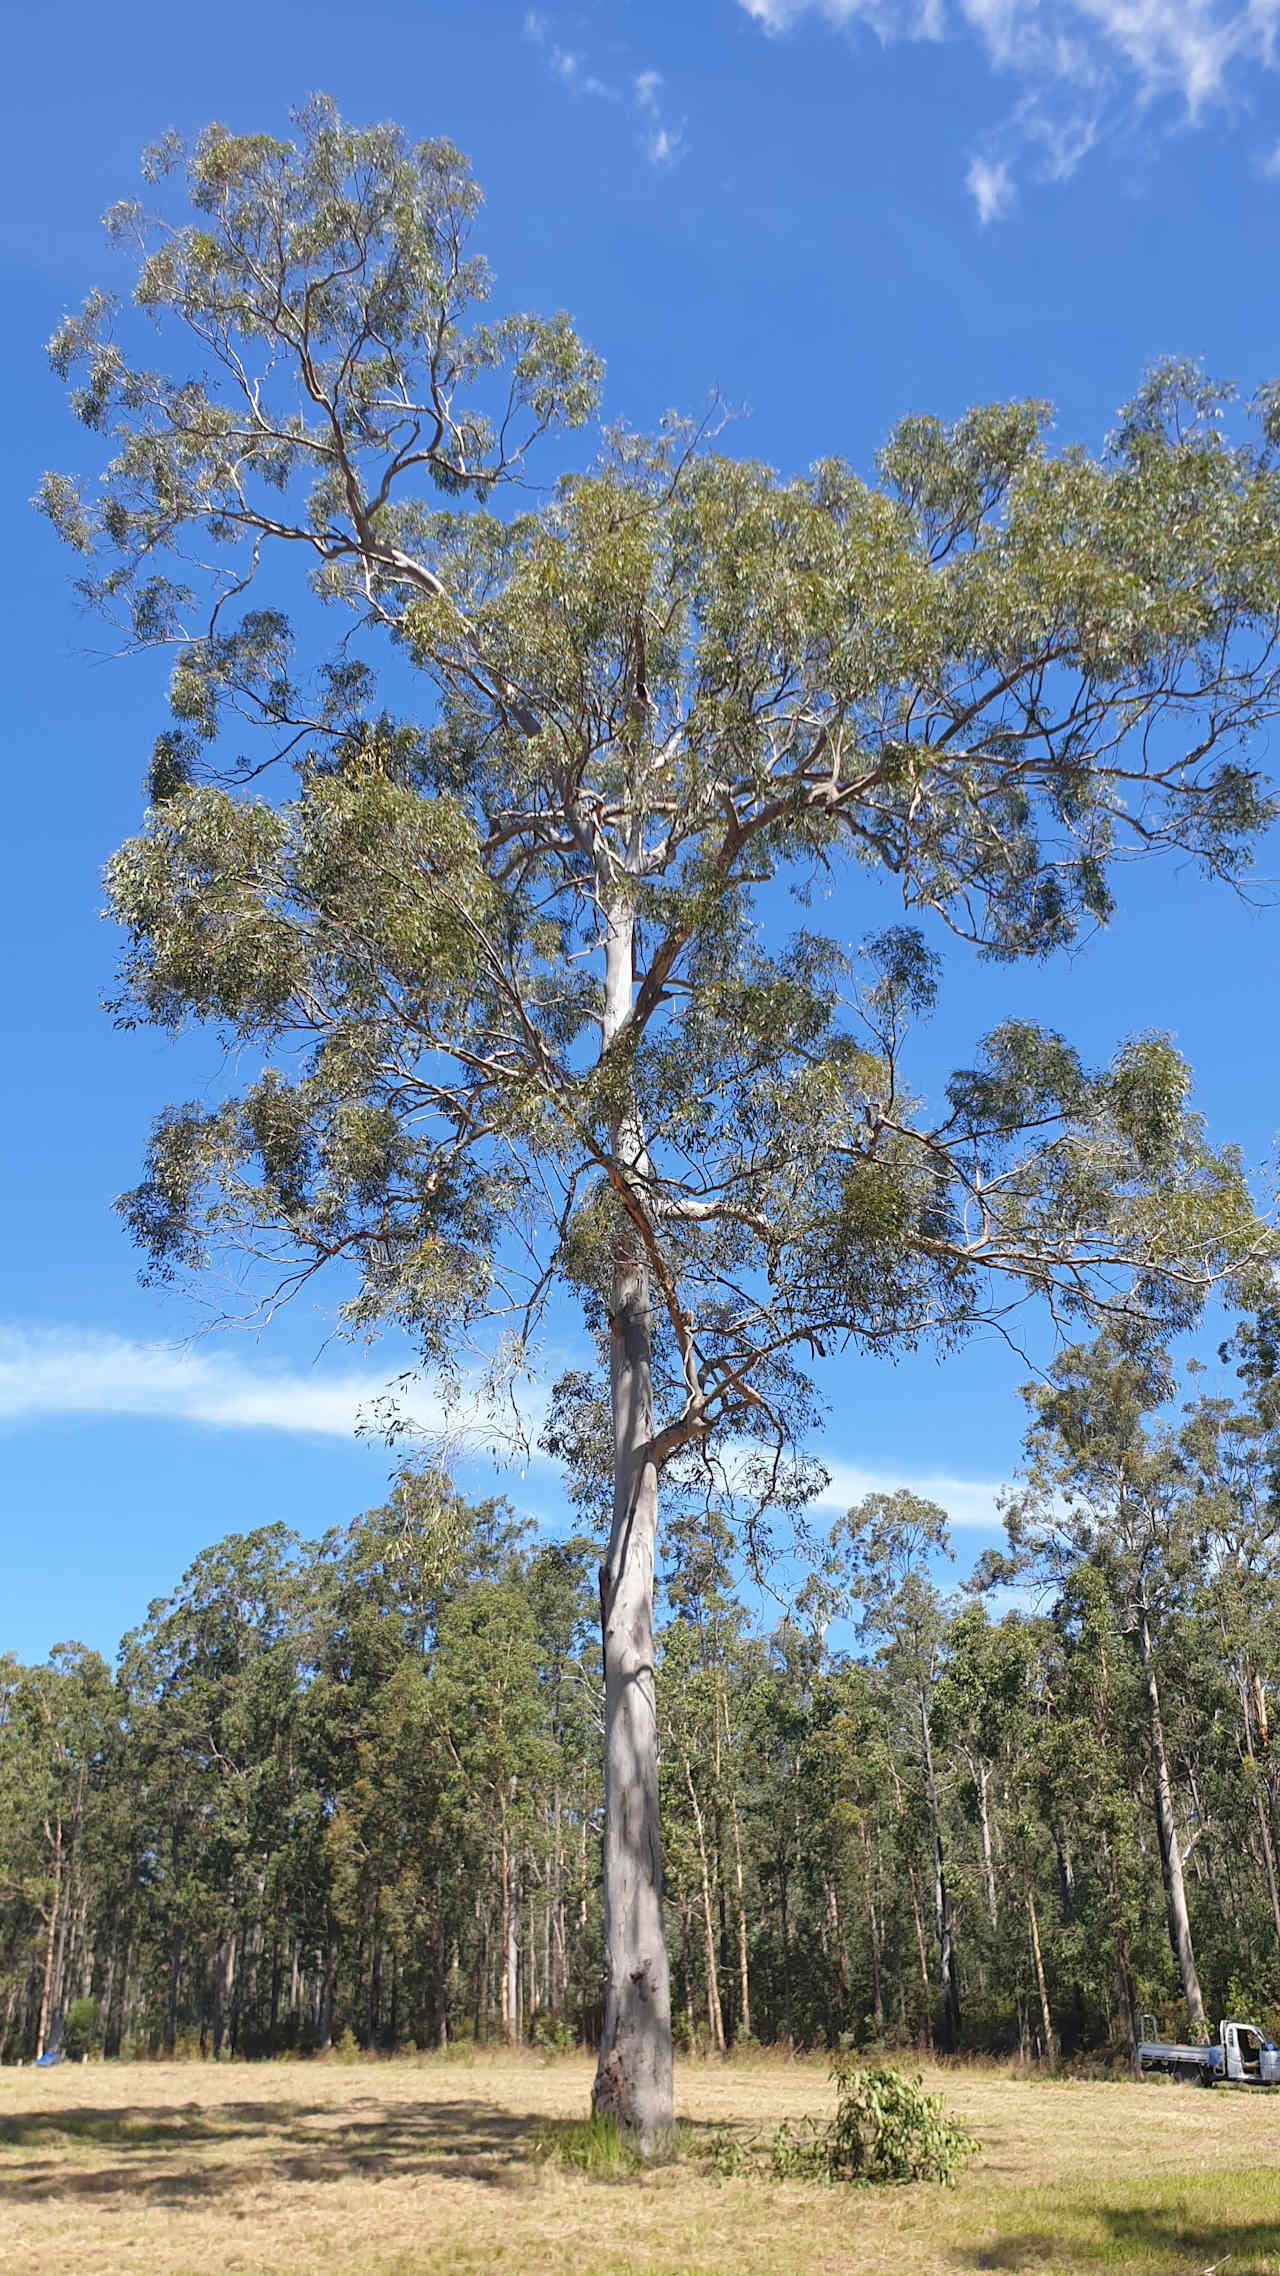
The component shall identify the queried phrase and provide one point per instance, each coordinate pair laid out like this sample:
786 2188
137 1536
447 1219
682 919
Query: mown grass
418 2169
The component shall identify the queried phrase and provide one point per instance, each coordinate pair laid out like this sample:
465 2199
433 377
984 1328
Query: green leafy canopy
672 685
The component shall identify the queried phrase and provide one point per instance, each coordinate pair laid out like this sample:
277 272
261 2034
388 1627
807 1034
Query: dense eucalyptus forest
349 1792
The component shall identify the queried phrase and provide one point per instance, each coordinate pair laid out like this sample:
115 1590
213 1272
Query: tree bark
634 2074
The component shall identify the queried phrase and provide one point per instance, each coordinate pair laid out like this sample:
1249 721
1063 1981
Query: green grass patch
593 2146
1176 2227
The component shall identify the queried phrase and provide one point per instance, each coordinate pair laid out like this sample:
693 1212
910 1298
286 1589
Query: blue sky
835 213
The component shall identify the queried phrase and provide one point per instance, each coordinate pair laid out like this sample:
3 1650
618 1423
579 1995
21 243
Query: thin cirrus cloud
970 1504
990 188
61 1374
50 1375
1081 70
662 142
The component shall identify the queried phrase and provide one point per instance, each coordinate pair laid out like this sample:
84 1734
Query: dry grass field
413 2168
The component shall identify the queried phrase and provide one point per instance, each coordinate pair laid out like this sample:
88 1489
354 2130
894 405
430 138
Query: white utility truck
1241 2051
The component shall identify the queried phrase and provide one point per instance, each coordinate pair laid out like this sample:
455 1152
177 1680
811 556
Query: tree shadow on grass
1170 2240
170 2156
1014 2253
1163 2241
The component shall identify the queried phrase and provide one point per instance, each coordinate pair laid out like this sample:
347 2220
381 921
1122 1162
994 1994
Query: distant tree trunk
1254 1706
224 1969
480 2013
715 2016
836 1927
10 2002
547 1956
72 1913
873 1924
1046 2018
328 1995
744 1976
439 1976
118 2026
105 2003
943 1908
784 1923
1167 1832
51 1938
981 1781
171 2005
508 1933
634 2076
511 1975
558 1955
373 1982
1128 2002
921 1954
1269 1862
277 1978
915 1908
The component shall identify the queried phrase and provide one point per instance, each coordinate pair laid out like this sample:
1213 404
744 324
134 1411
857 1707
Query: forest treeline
350 1790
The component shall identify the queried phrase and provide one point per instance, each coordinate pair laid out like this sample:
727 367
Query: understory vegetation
346 1795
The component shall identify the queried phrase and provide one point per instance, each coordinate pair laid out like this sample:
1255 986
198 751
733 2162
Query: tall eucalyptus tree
519 1020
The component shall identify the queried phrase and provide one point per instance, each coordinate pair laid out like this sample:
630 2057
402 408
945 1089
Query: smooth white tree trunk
1170 1847
634 2079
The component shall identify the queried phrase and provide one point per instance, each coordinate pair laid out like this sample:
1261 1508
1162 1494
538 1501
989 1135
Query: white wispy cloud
52 1373
64 1374
971 1504
1086 67
991 188
662 145
662 142
566 64
889 19
570 69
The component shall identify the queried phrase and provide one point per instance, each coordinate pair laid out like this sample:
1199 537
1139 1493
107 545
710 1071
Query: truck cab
1249 2055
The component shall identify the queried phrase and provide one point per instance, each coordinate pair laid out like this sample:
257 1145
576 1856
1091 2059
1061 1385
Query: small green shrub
555 2035
886 2129
725 2153
80 2029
